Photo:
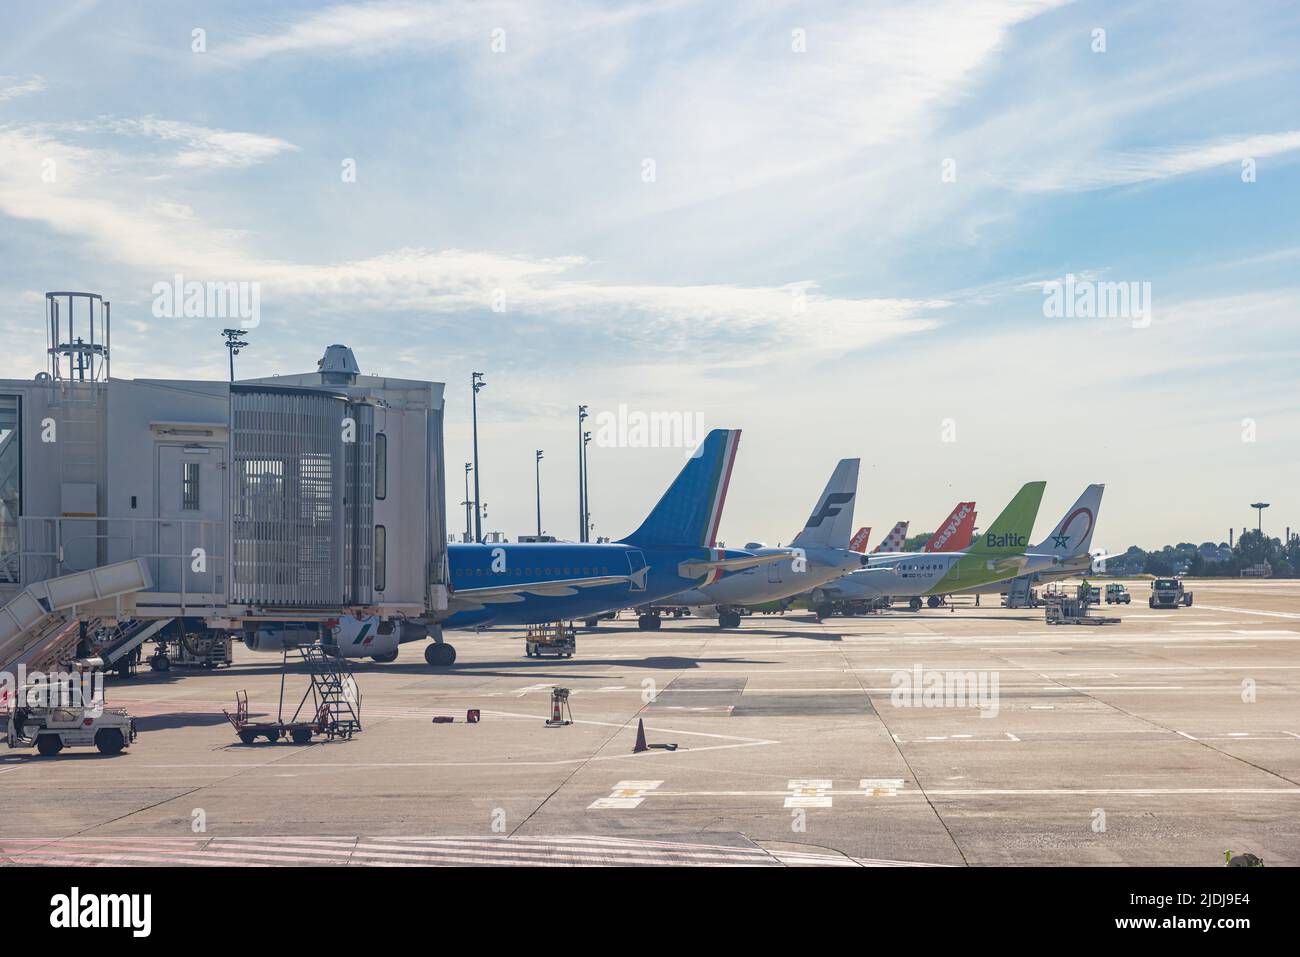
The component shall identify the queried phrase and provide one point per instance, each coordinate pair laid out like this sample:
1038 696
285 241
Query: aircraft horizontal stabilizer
698 569
463 598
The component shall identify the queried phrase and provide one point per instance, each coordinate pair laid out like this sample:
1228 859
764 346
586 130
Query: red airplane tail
955 533
858 543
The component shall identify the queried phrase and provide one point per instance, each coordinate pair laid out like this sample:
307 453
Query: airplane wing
464 598
701 568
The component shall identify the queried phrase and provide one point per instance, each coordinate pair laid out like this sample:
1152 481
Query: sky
845 228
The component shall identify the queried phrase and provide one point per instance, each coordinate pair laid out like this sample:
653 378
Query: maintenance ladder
333 690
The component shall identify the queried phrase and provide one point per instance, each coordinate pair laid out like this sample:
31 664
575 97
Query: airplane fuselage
781 578
652 572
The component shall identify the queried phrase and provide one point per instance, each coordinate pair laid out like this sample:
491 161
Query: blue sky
798 265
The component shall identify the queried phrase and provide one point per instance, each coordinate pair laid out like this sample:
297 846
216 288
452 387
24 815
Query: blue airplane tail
689 512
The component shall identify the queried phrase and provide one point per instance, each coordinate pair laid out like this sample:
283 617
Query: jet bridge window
381 466
190 486
381 558
10 485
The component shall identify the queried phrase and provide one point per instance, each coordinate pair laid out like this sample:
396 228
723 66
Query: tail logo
832 506
1009 540
1063 540
951 528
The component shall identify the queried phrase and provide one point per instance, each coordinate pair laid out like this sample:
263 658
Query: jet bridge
302 497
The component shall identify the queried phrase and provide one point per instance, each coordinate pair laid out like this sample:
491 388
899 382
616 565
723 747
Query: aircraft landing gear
934 601
648 622
439 654
385 659
823 612
914 604
728 619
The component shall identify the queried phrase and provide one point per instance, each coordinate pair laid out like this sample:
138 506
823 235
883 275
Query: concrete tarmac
962 736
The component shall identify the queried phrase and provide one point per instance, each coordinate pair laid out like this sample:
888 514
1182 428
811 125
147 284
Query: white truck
1169 593
52 727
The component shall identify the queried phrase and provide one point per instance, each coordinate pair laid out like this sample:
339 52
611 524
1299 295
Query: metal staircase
42 617
334 691
124 638
1020 593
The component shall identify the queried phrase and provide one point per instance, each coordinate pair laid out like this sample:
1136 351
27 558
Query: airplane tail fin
893 542
690 511
858 543
829 524
1010 531
1073 536
954 534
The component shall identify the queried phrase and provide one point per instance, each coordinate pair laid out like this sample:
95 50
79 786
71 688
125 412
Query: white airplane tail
1072 536
893 542
831 522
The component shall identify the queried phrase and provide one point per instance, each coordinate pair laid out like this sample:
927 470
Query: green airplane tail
1010 531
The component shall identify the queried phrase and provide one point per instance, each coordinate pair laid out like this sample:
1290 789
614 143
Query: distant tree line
1209 559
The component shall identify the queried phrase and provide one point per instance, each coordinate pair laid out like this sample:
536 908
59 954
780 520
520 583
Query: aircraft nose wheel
439 654
648 622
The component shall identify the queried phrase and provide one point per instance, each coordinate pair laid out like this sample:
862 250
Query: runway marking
809 793
1252 611
1137 792
624 796
880 787
398 852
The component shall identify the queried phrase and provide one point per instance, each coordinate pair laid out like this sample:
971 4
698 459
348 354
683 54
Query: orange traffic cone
640 738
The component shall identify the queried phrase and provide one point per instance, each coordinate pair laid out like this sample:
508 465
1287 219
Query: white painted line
809 793
880 787
624 796
1252 611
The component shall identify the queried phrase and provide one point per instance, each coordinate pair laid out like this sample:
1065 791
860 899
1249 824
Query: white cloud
204 148
1143 166
95 199
365 29
12 87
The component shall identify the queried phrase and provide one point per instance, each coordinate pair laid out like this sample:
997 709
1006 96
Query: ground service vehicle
558 639
1168 593
51 728
1117 594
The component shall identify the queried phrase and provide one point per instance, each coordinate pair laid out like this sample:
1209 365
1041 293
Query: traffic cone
640 738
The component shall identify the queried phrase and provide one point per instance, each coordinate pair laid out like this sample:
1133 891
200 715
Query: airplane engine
349 637
370 637
274 638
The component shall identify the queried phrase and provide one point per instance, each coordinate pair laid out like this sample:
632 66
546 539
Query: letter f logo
830 508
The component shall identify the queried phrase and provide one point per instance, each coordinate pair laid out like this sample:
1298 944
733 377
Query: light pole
1259 512
537 467
582 494
235 343
586 490
469 467
476 382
